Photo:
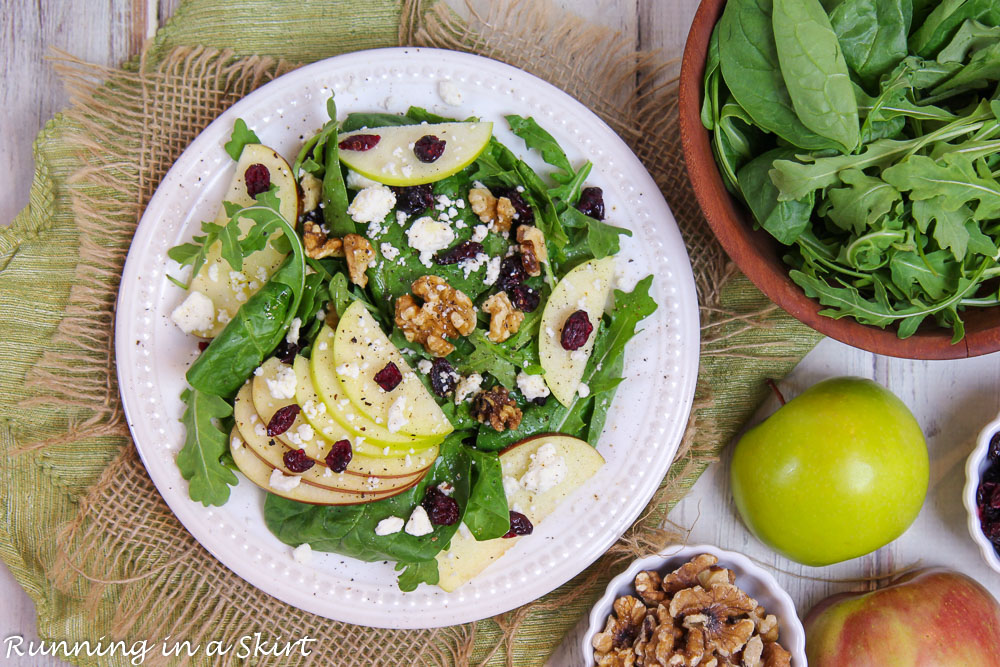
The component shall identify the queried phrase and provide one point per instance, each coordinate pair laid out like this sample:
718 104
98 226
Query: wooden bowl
758 254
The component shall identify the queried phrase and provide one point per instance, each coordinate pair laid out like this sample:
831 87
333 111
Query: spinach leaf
486 514
784 220
334 190
357 121
815 71
872 34
603 373
710 101
981 71
199 460
414 574
749 61
242 135
942 23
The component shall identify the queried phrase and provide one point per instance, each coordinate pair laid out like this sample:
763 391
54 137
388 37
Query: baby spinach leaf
942 23
242 135
486 514
710 101
815 71
872 34
414 574
199 460
749 61
784 220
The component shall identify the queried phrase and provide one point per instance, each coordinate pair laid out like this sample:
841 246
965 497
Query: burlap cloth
83 529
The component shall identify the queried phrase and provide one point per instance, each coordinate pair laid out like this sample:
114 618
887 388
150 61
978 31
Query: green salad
410 339
864 135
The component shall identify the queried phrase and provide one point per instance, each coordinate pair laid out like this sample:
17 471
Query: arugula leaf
199 460
414 574
534 136
601 238
951 182
242 135
499 360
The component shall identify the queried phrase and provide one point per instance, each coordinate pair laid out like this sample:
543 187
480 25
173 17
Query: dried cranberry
442 510
994 500
992 531
414 199
524 298
443 376
541 400
591 203
203 345
297 461
359 142
576 331
519 525
985 492
994 451
465 250
282 419
339 456
511 273
285 352
257 178
389 377
525 215
428 148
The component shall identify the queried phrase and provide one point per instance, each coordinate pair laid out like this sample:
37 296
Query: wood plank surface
952 400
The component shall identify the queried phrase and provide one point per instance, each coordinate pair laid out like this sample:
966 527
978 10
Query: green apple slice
466 557
341 408
392 161
229 289
360 351
585 288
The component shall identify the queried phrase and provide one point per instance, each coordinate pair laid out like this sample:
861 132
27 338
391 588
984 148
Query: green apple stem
777 392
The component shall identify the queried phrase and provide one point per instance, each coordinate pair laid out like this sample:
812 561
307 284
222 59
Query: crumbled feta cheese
492 270
292 337
464 531
549 332
389 251
479 233
356 181
322 345
213 272
470 266
305 432
468 386
223 316
302 554
428 236
450 93
424 366
510 486
196 313
419 523
402 217
389 526
532 386
279 481
236 443
397 415
283 385
583 390
446 488
348 370
578 354
548 468
259 430
372 204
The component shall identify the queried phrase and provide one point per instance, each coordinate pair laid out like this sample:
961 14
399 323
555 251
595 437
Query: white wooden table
951 400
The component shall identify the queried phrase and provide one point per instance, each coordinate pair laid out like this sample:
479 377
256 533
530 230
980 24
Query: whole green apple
836 473
933 618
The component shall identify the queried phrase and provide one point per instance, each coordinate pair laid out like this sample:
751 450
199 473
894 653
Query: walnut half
505 320
496 408
318 245
360 255
445 313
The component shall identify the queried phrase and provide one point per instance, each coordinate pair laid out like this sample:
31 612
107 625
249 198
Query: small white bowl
750 578
976 465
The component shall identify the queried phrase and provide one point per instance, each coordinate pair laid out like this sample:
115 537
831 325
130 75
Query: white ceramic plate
752 579
977 464
649 413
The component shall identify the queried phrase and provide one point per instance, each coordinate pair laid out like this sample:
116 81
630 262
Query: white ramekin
975 466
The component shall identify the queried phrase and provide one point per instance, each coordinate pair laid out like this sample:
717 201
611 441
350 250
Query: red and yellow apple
838 472
932 618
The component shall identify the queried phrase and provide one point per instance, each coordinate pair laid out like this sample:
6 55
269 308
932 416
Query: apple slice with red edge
466 557
401 154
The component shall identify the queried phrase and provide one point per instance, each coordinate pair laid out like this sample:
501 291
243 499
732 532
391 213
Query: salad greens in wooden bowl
862 137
